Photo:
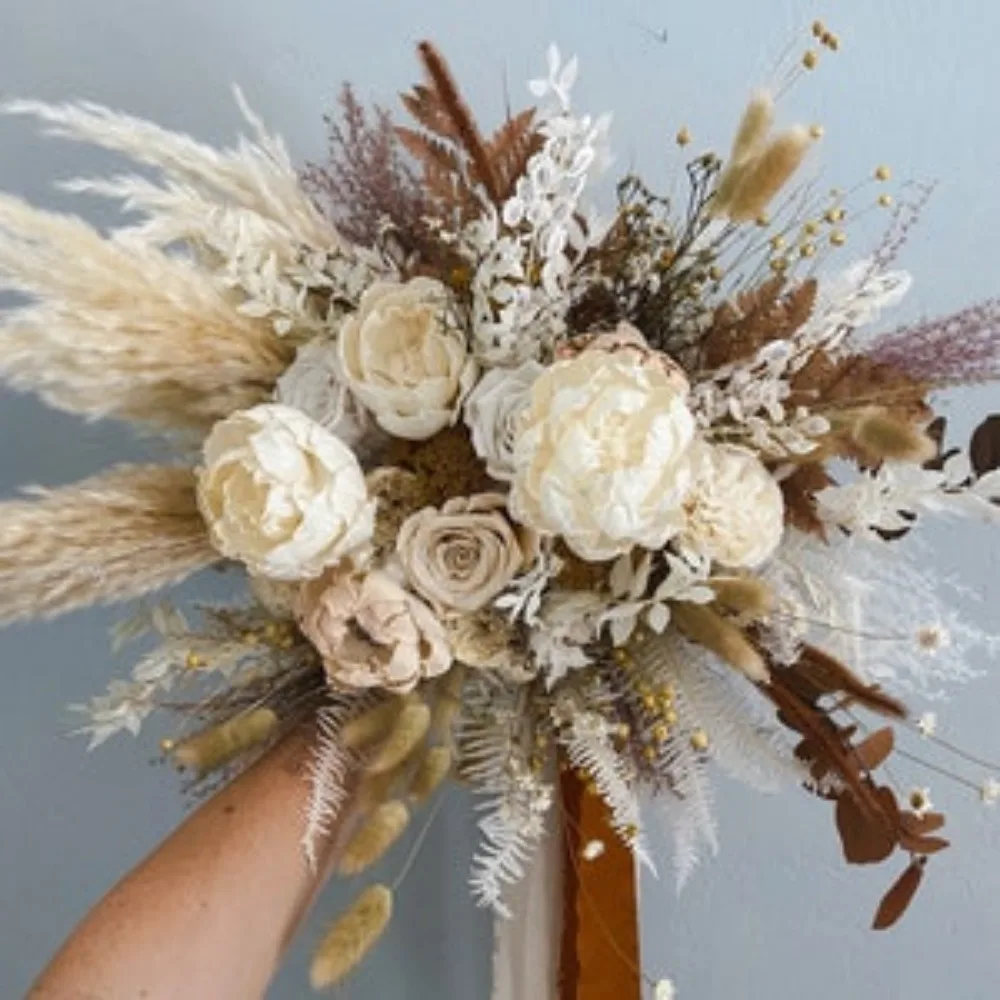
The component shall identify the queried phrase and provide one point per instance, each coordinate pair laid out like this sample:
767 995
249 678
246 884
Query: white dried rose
371 633
403 359
460 557
735 512
282 494
312 384
492 412
602 457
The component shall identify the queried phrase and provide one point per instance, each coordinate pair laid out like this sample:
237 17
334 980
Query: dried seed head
751 134
768 173
434 767
699 740
683 136
743 594
722 637
215 747
376 835
351 937
888 438
372 726
408 732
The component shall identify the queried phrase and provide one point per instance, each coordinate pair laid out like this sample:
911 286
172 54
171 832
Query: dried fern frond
110 538
351 937
122 329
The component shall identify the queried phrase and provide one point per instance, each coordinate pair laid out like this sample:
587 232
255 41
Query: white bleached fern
327 773
587 741
514 801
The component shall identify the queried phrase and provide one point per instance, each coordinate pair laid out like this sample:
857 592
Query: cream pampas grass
703 626
119 328
197 182
110 538
352 936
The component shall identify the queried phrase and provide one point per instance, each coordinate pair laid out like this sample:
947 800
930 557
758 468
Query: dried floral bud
722 637
746 595
434 767
815 131
221 744
382 828
810 59
683 137
406 735
699 741
885 200
818 29
838 238
371 726
882 173
768 173
351 937
886 437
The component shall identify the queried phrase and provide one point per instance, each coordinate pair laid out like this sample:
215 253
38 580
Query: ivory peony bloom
371 633
460 557
735 512
404 362
492 412
282 494
602 457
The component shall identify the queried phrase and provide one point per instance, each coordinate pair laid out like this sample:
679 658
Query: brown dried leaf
867 837
917 826
984 449
897 900
799 490
923 845
872 751
831 676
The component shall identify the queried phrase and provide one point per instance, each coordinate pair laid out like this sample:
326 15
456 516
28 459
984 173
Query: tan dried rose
371 633
459 557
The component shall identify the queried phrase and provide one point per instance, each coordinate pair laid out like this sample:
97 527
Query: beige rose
371 633
403 360
461 556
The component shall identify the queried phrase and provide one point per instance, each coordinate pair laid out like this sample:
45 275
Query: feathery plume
745 595
372 725
376 835
886 437
122 329
110 538
766 174
352 936
711 630
408 731
434 767
217 746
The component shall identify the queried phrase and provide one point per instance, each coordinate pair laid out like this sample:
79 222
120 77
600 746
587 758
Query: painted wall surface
777 915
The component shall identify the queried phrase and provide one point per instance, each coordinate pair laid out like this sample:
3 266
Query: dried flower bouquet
517 486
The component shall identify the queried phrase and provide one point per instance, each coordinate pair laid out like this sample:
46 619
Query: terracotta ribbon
600 939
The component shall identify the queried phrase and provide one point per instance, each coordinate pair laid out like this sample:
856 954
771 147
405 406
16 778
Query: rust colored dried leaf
984 449
923 846
799 490
917 826
872 751
866 838
830 675
897 900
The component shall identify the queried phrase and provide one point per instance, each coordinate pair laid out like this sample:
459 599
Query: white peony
282 494
492 412
602 457
735 512
403 360
313 385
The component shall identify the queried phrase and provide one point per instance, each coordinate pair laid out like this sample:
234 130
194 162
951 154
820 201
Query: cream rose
402 359
371 632
281 494
492 412
460 557
602 457
735 511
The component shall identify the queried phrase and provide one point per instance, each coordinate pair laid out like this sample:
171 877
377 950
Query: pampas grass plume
217 746
722 637
888 438
380 830
406 735
766 174
352 936
746 595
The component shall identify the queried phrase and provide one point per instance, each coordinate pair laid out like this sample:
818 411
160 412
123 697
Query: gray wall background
777 915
